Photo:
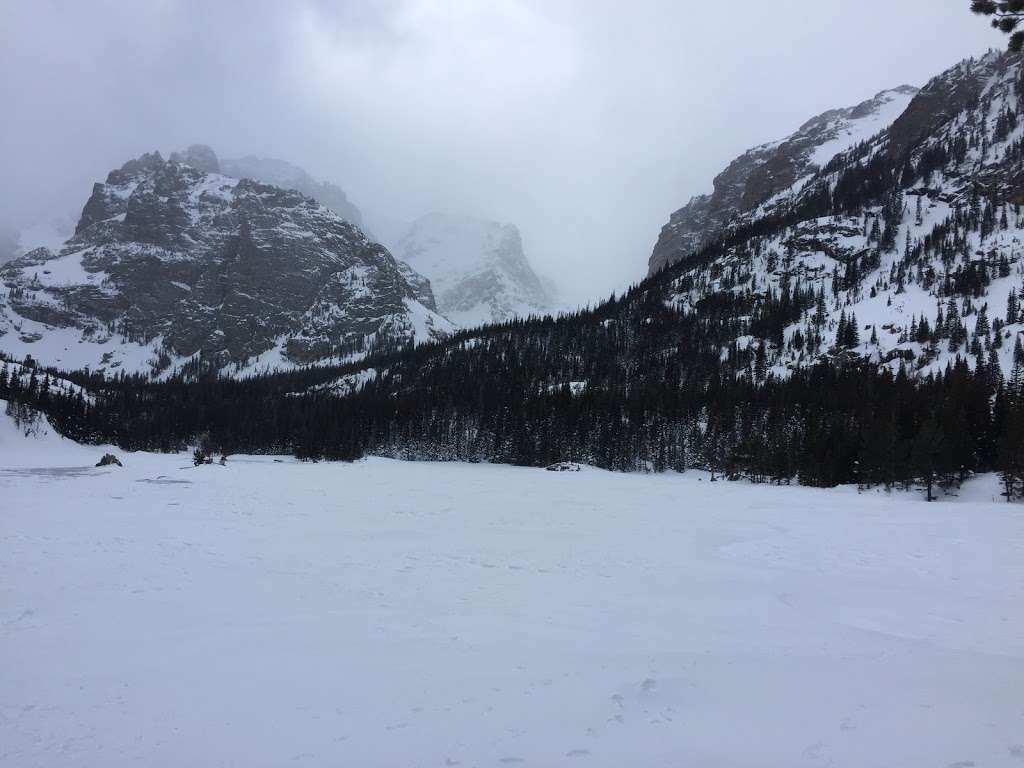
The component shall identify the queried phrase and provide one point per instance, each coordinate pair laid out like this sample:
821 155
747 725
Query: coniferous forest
629 386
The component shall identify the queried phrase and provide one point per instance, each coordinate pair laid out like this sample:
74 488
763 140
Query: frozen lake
400 614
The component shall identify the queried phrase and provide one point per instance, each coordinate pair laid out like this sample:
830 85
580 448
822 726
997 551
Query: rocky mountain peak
170 262
199 156
281 173
142 165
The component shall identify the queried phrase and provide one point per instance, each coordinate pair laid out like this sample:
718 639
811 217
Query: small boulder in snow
563 466
108 459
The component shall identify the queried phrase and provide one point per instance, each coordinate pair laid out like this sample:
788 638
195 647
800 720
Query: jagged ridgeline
176 266
862 323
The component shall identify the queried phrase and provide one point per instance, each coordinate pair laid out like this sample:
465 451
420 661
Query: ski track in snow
273 613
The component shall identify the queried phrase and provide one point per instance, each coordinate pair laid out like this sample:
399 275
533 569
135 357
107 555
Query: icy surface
271 613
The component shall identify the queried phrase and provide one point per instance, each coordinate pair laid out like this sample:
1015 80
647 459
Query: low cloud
585 123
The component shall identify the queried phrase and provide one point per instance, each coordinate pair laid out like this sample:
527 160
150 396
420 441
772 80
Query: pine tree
761 361
1007 15
925 456
852 338
981 325
1016 385
995 371
876 231
1010 456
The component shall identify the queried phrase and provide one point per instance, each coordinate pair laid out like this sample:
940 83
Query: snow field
382 613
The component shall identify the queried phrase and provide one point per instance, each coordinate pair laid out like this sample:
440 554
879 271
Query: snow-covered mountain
907 248
172 261
477 269
280 173
773 170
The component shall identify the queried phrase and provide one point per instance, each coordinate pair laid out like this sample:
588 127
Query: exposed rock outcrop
774 169
180 261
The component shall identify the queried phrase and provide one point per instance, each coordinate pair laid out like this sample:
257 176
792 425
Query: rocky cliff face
906 249
477 268
280 173
774 170
172 260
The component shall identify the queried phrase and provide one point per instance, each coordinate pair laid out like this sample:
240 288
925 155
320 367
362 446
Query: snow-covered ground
272 613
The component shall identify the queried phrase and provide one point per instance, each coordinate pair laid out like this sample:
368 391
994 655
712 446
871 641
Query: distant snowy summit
175 263
285 175
774 170
277 173
477 269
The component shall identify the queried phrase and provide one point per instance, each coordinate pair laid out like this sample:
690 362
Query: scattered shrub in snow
109 459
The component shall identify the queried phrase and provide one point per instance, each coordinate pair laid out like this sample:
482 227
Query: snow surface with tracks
272 613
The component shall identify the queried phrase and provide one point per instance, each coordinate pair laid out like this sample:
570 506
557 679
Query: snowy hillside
18 375
173 263
477 269
27 439
47 233
775 171
906 249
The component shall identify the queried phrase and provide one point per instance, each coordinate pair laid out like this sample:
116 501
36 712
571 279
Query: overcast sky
584 122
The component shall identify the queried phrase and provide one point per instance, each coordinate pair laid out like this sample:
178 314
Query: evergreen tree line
632 386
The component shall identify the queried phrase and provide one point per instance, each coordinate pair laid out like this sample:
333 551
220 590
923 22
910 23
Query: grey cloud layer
585 123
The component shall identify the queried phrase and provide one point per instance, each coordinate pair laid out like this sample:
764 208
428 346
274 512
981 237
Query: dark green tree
1006 17
926 456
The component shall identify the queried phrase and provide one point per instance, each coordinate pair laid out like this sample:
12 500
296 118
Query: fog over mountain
582 125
